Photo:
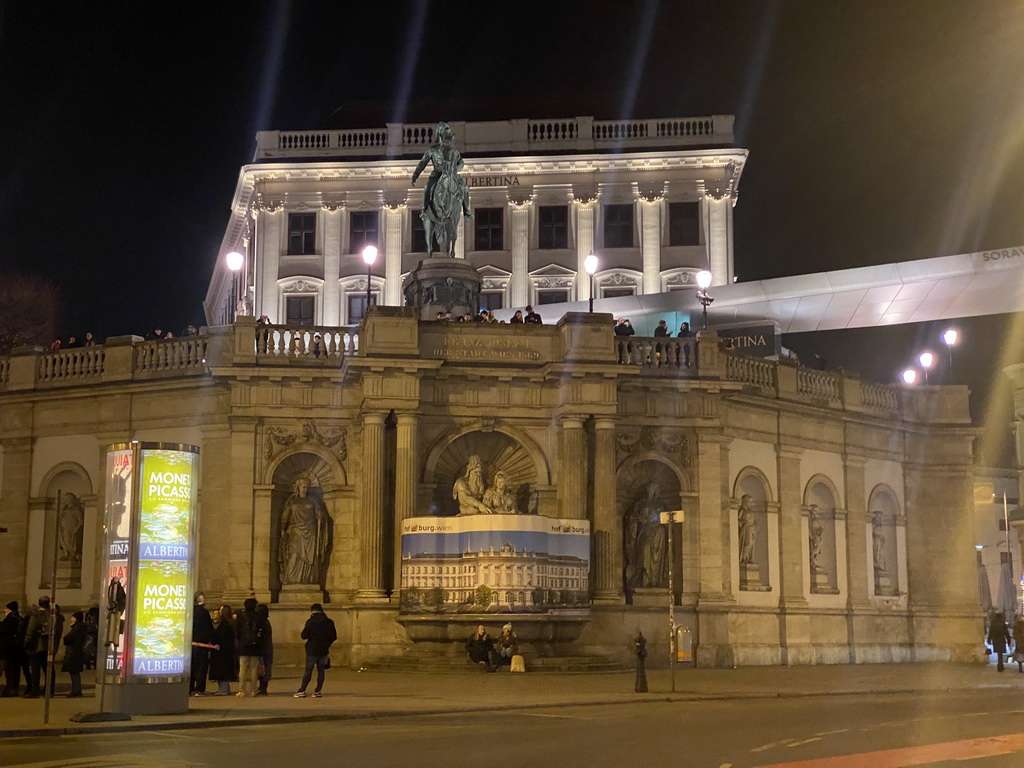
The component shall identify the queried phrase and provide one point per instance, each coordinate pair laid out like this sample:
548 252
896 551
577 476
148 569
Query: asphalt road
888 731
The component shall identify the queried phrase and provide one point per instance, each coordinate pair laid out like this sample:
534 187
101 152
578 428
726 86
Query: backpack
249 633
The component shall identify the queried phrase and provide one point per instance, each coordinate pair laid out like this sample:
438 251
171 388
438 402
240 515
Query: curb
633 698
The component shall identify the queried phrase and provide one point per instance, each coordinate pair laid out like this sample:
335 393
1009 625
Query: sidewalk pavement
356 695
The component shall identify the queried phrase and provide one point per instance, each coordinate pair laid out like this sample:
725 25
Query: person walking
1018 643
251 633
263 611
74 653
202 640
998 637
11 649
319 633
222 658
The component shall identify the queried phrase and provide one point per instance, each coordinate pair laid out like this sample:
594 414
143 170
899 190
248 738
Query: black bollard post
641 667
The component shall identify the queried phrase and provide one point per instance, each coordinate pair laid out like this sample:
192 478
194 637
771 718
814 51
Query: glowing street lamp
369 256
704 282
950 338
590 264
235 261
927 360
909 376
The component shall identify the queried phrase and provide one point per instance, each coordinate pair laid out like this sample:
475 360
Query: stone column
331 314
393 242
371 581
520 215
406 474
650 244
584 245
607 577
718 230
572 471
14 494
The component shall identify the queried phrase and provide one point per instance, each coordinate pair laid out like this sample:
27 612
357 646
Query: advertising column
150 546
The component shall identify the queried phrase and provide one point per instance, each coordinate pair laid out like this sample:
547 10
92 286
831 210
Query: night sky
878 131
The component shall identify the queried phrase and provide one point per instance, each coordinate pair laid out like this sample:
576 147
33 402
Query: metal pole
51 641
591 293
671 605
369 271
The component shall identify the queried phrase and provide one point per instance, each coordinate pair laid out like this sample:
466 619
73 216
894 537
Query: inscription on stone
469 348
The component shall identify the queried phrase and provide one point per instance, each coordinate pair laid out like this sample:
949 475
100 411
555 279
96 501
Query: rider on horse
447 163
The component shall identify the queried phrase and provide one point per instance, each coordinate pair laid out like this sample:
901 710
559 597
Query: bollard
641 668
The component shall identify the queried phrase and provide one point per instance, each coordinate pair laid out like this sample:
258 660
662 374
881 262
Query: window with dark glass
1004 558
357 306
618 226
419 234
301 234
612 293
684 223
492 300
298 310
552 297
488 229
553 224
362 230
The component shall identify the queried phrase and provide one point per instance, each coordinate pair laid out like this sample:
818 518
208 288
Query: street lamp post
590 264
369 256
668 518
927 360
235 261
704 282
950 338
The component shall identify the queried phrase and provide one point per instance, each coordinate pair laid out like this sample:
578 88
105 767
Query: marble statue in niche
475 498
499 498
70 522
646 542
747 522
878 547
815 537
305 533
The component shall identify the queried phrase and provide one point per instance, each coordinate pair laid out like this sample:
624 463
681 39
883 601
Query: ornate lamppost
950 338
704 282
927 360
369 256
235 261
590 264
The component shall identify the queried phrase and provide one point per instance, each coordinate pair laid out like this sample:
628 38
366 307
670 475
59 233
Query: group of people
1001 635
89 340
232 647
490 654
487 316
27 639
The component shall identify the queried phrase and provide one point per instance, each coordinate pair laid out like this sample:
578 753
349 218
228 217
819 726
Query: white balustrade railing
306 343
751 370
72 365
817 385
649 352
879 397
185 354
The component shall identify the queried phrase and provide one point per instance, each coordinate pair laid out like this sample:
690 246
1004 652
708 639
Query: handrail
308 343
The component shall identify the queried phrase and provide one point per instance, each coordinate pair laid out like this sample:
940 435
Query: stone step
445 665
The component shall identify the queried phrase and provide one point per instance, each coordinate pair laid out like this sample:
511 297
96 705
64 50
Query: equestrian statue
446 196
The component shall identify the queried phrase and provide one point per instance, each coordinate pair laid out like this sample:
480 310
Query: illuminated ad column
149 544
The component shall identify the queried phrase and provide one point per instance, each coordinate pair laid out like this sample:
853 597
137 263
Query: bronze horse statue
446 196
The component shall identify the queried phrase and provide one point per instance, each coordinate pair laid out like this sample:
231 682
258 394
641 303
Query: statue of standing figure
71 519
646 542
878 546
747 529
304 536
815 535
446 196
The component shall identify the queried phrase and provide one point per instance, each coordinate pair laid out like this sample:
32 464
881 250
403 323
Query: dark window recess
618 226
684 223
614 293
357 306
1004 558
488 229
553 225
552 297
1002 524
492 301
299 310
301 234
362 230
419 234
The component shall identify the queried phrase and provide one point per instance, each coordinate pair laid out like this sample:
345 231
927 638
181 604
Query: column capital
570 421
372 418
604 423
788 452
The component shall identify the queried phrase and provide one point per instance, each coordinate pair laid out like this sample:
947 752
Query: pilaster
607 528
572 473
393 239
371 581
791 537
859 583
269 224
14 496
718 228
520 253
650 244
585 216
331 314
406 473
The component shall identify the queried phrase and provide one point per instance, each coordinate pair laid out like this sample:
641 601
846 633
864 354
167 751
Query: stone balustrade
307 344
662 352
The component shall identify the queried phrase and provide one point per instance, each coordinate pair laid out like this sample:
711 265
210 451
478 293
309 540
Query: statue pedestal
650 597
820 583
883 585
750 578
69 574
441 284
301 594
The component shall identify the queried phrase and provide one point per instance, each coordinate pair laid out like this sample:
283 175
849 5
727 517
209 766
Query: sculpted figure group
475 498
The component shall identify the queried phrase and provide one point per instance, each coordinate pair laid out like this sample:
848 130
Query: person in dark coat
74 653
40 638
92 635
223 659
685 334
998 637
480 648
268 649
1018 643
251 634
319 633
11 649
202 639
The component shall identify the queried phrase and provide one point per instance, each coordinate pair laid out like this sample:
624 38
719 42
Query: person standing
263 611
202 639
319 633
1018 643
623 327
251 634
74 653
40 637
662 329
11 649
222 659
998 638
685 335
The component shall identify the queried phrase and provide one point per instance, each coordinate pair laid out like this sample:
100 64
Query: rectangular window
362 230
357 306
301 234
553 226
419 234
612 293
298 310
488 229
684 223
552 297
618 226
492 301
